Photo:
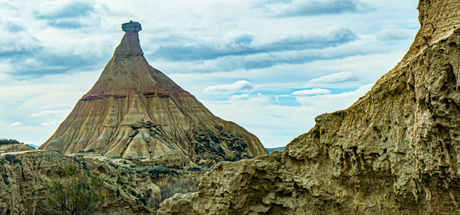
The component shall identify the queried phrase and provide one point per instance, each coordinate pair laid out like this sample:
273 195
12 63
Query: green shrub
4 141
89 150
114 165
11 158
194 169
160 171
6 181
116 157
171 185
79 193
238 148
120 212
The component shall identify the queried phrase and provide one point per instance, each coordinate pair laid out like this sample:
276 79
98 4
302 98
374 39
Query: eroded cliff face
136 111
394 151
22 175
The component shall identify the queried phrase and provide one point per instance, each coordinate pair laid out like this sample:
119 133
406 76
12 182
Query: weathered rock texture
136 111
22 175
394 151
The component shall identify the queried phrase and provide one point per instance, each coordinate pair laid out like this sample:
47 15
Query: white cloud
333 80
273 124
392 32
25 133
316 8
15 124
314 91
60 68
334 101
242 96
50 123
54 110
276 124
241 86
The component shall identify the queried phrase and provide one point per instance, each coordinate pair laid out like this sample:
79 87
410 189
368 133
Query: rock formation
394 151
22 175
136 111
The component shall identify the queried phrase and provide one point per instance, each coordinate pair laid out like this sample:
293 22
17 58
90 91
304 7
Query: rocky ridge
394 151
23 173
15 148
136 111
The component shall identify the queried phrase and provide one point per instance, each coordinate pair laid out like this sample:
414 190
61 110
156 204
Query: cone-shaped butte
136 111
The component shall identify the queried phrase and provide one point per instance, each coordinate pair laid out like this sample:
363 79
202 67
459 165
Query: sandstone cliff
394 151
136 111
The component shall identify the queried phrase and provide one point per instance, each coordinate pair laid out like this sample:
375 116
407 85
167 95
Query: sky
271 66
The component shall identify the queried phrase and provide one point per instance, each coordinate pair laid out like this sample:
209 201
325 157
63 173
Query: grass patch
183 183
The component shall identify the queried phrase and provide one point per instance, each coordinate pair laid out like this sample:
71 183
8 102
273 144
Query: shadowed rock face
136 111
394 151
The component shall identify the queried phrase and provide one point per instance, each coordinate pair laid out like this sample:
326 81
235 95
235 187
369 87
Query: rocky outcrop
394 151
22 175
136 111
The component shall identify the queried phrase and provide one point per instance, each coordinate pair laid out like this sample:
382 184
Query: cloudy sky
269 65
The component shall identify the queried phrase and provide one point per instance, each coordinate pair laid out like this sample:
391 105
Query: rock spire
134 110
131 26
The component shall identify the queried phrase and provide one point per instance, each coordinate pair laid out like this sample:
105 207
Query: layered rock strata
136 111
394 151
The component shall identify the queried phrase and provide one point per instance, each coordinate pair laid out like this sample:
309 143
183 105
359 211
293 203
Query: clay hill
394 151
136 111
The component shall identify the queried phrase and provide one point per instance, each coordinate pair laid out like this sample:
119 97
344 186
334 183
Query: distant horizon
269 66
35 146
